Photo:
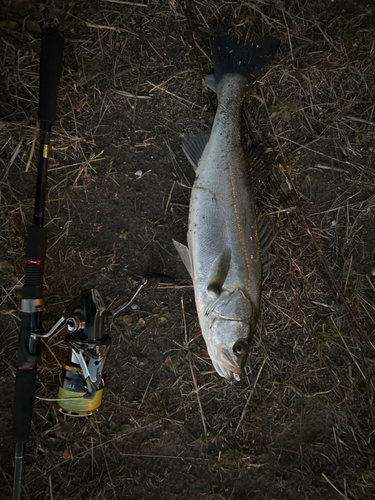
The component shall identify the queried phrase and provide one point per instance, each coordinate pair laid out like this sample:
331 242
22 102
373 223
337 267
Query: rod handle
23 404
51 52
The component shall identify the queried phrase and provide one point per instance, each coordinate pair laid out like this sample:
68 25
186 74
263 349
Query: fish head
228 328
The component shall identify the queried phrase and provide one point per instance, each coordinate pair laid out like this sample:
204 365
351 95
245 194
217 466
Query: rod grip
51 52
23 404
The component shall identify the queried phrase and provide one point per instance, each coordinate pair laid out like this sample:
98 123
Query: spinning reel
82 379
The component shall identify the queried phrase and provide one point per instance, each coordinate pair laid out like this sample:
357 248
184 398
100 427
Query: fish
223 254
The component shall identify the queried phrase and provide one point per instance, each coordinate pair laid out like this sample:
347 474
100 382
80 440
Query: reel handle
51 53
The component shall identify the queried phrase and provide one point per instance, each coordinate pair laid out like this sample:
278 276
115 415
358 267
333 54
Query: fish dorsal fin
193 146
211 82
184 253
219 271
267 231
258 162
260 168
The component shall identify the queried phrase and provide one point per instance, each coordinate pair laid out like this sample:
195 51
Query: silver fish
223 255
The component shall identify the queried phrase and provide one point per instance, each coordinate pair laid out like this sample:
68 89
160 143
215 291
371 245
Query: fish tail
232 56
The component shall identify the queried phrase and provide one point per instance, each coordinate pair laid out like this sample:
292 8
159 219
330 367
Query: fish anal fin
193 146
219 271
184 253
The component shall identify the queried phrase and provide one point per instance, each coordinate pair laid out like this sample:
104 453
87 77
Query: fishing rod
82 377
31 329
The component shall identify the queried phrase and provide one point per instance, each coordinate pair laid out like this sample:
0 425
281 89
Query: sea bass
223 255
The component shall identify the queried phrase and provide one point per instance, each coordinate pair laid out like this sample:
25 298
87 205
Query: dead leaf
127 319
67 453
141 322
169 362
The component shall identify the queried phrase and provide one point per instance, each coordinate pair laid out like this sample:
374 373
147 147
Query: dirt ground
300 423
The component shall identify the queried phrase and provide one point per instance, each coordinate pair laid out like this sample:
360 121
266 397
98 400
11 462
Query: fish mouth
226 367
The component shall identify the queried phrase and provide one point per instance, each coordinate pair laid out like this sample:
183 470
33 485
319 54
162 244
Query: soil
300 422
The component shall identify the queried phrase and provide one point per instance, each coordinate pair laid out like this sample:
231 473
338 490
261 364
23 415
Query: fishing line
75 403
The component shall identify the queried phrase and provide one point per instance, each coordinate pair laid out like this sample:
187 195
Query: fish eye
239 347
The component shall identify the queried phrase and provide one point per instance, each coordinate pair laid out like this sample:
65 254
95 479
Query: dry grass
300 424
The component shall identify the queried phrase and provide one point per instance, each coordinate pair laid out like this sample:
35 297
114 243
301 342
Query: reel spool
73 398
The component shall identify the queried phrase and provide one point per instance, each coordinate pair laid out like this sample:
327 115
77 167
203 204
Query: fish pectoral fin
193 146
219 271
184 253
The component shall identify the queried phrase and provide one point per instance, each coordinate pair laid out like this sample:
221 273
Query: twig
113 28
316 152
174 95
193 373
32 150
123 93
141 176
50 487
198 398
334 487
51 351
122 2
156 87
96 425
162 456
14 155
146 391
136 93
328 167
250 396
289 39
360 120
348 274
169 197
183 205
